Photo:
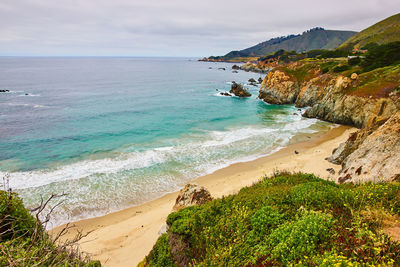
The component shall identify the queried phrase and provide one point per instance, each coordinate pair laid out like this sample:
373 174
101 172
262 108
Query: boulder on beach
190 195
238 90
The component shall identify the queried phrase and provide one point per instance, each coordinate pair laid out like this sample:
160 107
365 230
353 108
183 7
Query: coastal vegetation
385 31
25 242
378 70
287 219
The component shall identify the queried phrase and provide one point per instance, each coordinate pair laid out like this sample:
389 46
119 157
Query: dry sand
124 238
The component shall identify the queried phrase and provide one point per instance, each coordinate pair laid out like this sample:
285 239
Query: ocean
113 132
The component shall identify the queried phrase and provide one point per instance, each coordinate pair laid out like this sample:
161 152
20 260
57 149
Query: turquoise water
117 132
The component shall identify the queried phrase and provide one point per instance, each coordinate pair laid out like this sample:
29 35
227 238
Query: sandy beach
124 238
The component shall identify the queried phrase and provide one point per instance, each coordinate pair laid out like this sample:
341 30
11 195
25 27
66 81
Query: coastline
124 237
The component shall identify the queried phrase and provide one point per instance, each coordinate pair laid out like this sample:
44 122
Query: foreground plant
288 219
25 242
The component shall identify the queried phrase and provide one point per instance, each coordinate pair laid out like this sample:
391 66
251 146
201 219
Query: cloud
169 28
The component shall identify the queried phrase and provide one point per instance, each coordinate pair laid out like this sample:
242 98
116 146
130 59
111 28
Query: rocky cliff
370 154
377 157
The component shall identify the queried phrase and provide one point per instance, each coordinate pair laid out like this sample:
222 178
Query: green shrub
336 53
381 56
326 67
15 220
304 237
316 195
290 219
354 61
160 256
265 219
341 68
24 241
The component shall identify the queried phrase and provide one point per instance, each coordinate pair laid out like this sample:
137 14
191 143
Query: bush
354 61
341 68
316 195
265 219
160 255
306 236
288 220
24 241
326 67
335 53
15 220
381 56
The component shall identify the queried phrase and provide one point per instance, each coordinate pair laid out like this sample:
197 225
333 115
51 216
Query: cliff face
327 97
278 88
377 158
367 155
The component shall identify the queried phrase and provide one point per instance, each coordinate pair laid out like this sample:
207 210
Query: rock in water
225 94
235 67
192 194
251 80
238 90
260 80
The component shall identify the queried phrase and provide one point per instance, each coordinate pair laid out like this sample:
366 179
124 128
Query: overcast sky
170 27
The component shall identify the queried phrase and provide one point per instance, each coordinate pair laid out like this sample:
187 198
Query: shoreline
125 237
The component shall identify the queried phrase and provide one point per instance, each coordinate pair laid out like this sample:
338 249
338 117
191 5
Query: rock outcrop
192 194
238 90
279 88
377 158
249 66
355 139
326 95
370 154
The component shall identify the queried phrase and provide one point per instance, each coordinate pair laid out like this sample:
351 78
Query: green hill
385 31
317 38
286 220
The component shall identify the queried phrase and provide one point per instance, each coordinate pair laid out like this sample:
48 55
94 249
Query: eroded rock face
355 139
238 90
192 194
326 95
279 88
357 111
378 157
253 68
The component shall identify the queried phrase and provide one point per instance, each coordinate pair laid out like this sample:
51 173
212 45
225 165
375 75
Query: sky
170 27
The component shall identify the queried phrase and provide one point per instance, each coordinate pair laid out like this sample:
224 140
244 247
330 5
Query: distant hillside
317 38
385 31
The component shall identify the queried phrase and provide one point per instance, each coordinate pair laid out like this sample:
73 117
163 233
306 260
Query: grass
288 219
385 31
377 83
